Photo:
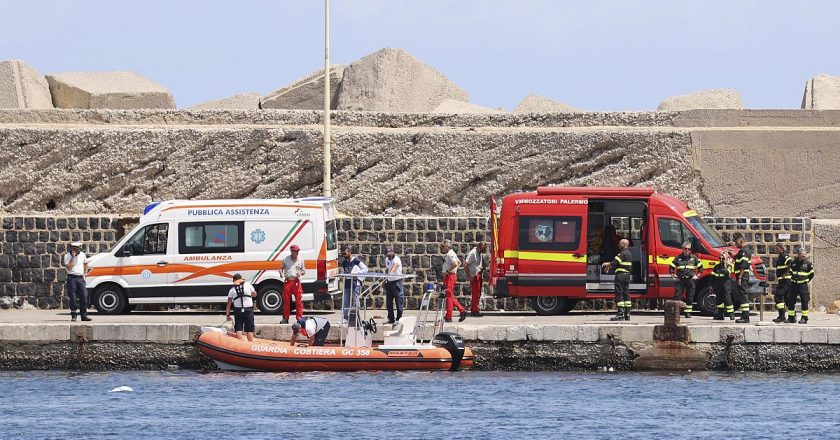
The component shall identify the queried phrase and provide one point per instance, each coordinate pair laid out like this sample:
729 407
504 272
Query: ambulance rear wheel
550 305
706 300
110 300
270 298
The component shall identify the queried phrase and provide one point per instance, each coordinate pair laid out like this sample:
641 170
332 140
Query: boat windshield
710 235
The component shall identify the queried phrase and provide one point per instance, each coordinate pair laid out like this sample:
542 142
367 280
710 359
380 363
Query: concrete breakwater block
391 80
244 101
540 104
120 90
306 93
671 356
706 99
822 92
23 87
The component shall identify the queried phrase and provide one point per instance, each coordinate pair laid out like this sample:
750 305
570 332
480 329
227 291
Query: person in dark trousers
314 329
721 286
685 268
352 287
75 261
622 264
475 270
783 261
801 273
743 261
241 297
394 292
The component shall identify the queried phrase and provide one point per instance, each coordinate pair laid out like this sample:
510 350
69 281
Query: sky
594 55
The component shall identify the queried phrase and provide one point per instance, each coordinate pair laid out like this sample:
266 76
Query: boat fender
454 344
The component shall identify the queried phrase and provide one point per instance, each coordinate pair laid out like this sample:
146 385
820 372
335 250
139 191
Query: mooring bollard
672 312
671 330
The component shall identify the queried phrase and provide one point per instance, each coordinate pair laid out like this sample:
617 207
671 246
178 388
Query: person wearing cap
75 261
449 268
352 287
315 329
292 268
474 269
393 288
241 297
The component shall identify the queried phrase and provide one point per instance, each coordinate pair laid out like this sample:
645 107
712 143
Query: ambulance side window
550 233
151 240
211 237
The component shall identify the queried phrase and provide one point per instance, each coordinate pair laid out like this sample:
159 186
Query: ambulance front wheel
110 299
552 305
270 298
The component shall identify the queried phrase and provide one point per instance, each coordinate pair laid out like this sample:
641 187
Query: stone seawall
32 246
586 347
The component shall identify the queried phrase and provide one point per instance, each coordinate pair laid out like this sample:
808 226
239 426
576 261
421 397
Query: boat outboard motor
454 344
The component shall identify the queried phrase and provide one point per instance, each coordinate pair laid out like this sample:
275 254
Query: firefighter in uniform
783 262
685 268
722 287
622 264
801 273
742 278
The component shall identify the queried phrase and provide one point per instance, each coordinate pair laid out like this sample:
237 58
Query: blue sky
593 54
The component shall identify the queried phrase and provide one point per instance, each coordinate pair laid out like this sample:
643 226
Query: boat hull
231 353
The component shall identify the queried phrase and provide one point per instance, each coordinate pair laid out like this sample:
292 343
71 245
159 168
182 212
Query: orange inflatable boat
445 352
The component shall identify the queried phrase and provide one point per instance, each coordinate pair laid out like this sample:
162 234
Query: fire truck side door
671 233
552 250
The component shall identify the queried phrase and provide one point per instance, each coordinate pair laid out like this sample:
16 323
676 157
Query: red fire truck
548 246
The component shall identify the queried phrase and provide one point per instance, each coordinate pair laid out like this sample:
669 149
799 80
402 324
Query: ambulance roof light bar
601 191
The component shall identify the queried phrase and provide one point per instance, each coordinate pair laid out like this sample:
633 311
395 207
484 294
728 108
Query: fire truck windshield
710 235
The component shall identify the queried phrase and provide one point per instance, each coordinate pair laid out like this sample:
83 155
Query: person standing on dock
721 286
621 264
783 262
475 269
241 297
685 269
743 260
75 261
801 273
394 292
352 287
449 269
292 268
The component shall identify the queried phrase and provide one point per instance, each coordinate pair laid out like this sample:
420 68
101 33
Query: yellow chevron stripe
545 256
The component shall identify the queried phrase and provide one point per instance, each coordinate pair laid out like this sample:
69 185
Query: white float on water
122 389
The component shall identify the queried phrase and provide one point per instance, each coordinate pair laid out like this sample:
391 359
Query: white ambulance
186 252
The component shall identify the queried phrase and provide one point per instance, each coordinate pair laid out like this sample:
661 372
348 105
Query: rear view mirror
126 251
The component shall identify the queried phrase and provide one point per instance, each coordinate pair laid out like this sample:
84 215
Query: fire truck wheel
549 305
706 299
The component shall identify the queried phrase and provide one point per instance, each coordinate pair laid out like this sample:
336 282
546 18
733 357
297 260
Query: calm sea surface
419 405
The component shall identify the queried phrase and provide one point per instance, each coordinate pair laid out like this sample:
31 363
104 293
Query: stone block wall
32 247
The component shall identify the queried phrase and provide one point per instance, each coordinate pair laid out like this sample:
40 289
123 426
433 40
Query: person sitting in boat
352 287
241 297
315 329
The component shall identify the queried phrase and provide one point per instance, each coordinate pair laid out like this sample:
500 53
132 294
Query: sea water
422 405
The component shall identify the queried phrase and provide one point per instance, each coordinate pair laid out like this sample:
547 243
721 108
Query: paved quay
36 339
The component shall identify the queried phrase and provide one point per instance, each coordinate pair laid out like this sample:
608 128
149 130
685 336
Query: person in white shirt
241 297
474 269
393 288
292 268
352 287
75 261
315 329
449 269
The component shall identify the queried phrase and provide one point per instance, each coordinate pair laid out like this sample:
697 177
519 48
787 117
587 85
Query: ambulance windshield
710 235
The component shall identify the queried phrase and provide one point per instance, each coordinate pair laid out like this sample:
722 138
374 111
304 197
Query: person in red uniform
292 268
449 269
